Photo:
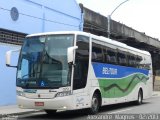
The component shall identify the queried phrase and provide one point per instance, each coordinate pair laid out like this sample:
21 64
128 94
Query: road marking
119 111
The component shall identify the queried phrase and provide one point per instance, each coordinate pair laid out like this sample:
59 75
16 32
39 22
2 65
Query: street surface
149 106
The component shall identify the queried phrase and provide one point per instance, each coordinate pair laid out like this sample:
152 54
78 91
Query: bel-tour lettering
109 71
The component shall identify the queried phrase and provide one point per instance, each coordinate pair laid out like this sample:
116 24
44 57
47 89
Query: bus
72 70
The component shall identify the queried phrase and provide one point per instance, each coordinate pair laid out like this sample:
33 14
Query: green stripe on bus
114 88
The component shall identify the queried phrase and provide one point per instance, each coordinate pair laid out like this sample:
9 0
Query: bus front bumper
57 103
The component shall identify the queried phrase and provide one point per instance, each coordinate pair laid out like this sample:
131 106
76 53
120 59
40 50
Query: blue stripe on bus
115 71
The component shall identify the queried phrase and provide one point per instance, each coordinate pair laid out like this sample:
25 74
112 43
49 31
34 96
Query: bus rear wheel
95 104
140 98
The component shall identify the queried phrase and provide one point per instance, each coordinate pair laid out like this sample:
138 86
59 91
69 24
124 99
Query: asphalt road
148 110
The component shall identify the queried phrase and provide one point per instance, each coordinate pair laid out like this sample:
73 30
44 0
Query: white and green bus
76 70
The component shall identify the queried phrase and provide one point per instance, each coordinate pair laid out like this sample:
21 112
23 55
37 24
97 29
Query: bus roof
58 32
100 38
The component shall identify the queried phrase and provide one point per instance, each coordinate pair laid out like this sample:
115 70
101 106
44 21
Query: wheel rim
95 104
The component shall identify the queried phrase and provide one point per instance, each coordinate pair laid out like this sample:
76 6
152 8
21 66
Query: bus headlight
20 93
64 93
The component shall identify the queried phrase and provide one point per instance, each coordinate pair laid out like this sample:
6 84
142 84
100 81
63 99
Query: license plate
39 103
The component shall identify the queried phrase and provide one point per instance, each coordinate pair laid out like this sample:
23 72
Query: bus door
81 68
81 64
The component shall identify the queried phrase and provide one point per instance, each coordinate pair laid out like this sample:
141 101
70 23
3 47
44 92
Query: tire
95 104
140 98
50 112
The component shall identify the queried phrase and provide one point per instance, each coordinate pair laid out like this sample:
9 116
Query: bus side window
97 55
122 60
131 61
138 61
111 57
105 54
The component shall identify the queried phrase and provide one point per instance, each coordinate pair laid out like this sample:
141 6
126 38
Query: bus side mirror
8 57
70 53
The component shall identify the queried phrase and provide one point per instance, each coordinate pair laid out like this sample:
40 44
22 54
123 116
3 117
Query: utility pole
109 18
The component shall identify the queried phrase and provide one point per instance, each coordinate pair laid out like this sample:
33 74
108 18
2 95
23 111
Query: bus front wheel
95 104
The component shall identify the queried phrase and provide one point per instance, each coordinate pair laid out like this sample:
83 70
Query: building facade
21 17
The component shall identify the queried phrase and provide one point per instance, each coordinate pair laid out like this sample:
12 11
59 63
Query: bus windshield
43 62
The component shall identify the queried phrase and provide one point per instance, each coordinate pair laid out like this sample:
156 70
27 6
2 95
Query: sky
141 15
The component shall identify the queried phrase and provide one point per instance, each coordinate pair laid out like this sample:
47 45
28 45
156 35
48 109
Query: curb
15 115
156 94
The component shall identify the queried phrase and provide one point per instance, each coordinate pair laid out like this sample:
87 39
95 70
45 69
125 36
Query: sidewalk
156 93
14 110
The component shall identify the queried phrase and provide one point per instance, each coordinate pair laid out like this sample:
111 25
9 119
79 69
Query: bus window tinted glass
122 60
111 56
81 62
97 55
